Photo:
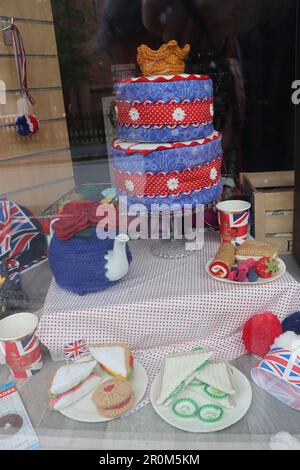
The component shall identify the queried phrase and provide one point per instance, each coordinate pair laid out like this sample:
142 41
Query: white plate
85 410
243 398
261 280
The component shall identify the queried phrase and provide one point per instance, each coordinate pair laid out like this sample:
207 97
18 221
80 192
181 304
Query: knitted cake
166 108
174 173
167 150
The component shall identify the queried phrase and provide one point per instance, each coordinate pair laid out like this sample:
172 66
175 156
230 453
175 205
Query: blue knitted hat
78 264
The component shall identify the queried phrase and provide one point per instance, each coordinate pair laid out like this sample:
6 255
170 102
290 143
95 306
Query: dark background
296 152
247 46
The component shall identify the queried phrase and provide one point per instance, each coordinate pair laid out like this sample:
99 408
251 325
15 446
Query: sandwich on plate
71 383
177 371
215 382
256 250
116 359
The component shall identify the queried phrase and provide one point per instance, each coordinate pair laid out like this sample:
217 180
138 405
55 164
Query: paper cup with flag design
20 345
278 373
233 216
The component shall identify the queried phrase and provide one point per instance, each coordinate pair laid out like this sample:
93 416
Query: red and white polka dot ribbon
173 183
160 113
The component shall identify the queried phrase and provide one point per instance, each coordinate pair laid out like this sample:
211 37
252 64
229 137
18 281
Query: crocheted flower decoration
134 114
173 184
213 174
178 114
129 185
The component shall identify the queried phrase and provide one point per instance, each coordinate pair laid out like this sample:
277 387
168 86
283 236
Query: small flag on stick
76 349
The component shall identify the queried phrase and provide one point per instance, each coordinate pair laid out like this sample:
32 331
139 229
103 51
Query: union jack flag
16 230
24 356
283 363
76 349
234 226
279 374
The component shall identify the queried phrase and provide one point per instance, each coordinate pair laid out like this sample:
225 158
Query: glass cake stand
170 249
174 244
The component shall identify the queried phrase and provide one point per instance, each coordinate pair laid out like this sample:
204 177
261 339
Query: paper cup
20 344
233 219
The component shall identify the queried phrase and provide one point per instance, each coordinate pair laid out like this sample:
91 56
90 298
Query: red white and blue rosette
26 125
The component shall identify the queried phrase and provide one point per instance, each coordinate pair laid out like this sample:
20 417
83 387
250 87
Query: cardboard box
272 197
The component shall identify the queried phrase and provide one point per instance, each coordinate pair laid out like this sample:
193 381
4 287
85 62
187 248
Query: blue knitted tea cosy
78 264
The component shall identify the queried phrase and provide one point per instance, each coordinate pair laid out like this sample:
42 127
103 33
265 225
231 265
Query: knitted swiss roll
223 261
79 264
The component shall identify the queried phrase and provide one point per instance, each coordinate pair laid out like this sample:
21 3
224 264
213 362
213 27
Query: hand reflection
209 22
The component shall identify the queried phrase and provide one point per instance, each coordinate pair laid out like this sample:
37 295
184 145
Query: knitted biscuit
223 261
168 59
113 398
256 249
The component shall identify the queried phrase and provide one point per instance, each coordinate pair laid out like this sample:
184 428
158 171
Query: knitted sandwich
215 383
256 250
177 371
116 359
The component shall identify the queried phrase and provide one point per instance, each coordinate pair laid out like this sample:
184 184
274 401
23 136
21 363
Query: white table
144 430
164 306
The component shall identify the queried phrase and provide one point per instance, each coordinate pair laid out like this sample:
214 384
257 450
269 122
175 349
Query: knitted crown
168 59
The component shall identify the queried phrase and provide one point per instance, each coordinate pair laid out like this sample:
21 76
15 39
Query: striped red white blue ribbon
21 62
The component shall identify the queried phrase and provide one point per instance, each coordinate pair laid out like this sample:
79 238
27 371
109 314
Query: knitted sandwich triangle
177 371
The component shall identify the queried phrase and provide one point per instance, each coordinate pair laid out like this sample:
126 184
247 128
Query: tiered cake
167 151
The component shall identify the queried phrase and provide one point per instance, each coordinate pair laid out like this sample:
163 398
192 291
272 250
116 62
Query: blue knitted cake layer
166 91
143 158
78 264
164 134
204 197
167 160
188 88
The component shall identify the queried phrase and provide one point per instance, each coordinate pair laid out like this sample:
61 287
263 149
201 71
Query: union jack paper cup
233 218
278 373
20 345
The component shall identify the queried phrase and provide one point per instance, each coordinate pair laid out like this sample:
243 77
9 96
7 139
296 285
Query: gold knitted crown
169 59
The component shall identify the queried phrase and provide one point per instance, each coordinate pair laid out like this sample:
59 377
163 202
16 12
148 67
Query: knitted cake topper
168 59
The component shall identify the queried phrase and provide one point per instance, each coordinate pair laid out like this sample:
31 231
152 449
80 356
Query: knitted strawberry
267 267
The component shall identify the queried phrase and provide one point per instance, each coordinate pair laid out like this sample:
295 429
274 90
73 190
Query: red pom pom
260 332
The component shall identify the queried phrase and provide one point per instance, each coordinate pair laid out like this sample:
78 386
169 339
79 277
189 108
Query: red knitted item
75 217
260 332
163 114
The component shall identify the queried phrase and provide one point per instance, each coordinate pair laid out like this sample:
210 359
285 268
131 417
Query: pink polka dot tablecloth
163 306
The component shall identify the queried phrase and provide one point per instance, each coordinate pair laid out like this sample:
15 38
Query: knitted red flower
260 332
75 217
